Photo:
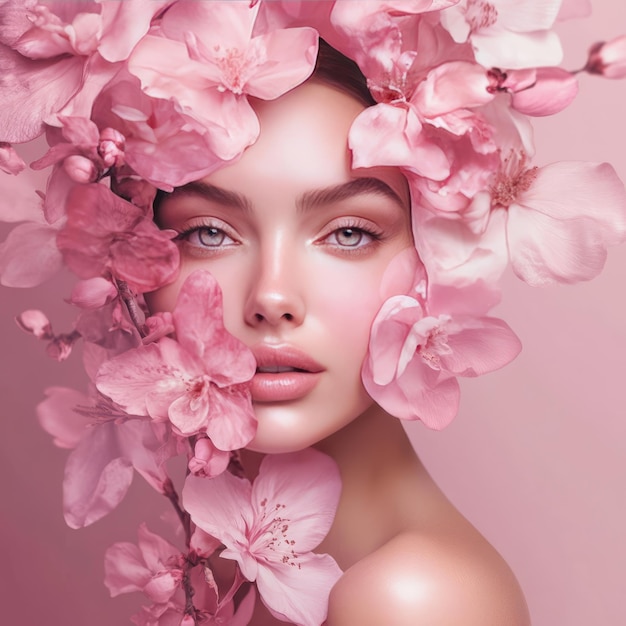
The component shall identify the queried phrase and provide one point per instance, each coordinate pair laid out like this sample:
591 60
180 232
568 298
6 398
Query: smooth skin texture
301 251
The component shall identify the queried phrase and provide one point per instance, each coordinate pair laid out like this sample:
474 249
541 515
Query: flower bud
80 169
111 147
608 58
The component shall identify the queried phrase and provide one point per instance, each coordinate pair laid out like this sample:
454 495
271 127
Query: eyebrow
305 202
345 191
216 194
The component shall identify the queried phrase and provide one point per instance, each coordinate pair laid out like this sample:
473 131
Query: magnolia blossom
513 34
415 354
208 60
270 527
105 235
199 382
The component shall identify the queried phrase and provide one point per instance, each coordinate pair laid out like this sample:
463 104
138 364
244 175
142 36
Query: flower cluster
139 96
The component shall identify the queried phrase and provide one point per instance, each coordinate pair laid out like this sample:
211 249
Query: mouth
283 374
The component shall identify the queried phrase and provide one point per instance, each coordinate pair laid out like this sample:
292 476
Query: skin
299 278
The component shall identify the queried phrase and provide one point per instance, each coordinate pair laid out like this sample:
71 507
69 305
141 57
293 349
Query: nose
276 295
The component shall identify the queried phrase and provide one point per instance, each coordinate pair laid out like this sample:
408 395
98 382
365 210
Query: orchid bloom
107 236
270 527
512 34
207 59
199 382
416 352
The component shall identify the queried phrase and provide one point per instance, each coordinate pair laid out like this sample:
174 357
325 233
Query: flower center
272 536
434 347
511 181
480 14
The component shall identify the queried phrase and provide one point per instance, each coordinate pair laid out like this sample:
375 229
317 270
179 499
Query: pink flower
154 567
512 34
107 236
271 526
208 60
161 145
108 447
560 218
35 322
544 91
416 353
608 58
48 48
198 382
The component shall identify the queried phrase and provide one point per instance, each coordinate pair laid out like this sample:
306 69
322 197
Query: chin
284 428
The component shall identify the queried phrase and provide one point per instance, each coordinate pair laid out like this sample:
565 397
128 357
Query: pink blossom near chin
270 527
199 382
415 354
208 62
153 567
507 33
106 236
207 460
560 218
608 58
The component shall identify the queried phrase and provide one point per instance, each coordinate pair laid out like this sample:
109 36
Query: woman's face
299 244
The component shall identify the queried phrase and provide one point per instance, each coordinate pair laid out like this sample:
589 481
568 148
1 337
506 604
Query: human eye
351 236
206 238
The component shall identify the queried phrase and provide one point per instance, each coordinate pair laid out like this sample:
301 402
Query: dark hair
335 69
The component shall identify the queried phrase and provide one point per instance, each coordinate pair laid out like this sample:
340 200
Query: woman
298 241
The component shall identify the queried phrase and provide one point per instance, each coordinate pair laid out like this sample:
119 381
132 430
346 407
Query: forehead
302 146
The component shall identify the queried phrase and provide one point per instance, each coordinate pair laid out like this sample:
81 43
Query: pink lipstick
283 374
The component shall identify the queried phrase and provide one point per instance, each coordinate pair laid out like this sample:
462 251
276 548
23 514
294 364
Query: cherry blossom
513 34
53 46
161 144
154 567
416 353
108 446
199 382
270 527
208 60
560 218
107 236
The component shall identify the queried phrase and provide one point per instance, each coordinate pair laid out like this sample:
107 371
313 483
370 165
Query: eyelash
185 235
357 226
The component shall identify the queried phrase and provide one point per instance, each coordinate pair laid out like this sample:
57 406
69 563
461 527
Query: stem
133 309
170 492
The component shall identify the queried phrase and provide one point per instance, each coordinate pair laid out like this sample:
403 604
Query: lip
283 386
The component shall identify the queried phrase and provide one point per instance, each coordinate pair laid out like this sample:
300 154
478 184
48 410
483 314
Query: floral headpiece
146 95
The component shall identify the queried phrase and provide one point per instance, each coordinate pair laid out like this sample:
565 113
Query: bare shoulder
430 579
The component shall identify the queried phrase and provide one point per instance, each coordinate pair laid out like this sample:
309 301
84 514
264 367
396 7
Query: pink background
535 459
